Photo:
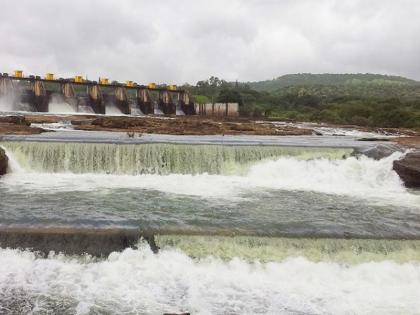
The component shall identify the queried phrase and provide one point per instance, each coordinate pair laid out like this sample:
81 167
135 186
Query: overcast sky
188 40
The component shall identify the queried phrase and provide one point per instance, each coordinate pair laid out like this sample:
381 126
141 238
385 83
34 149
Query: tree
229 96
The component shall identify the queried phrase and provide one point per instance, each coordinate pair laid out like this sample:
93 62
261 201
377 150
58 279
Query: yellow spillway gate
18 73
78 79
104 81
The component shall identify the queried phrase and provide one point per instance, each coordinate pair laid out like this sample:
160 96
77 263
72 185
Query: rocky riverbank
179 125
189 125
412 142
185 126
17 125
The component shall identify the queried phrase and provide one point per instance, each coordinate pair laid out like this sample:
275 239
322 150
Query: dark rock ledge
408 168
3 162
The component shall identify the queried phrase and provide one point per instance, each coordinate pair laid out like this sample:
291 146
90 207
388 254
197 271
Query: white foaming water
59 106
333 131
112 109
13 166
138 281
58 126
9 105
352 176
158 111
357 177
201 185
6 104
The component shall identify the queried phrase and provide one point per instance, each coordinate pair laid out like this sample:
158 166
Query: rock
408 169
118 122
379 151
17 120
81 122
17 125
185 125
410 142
18 129
3 162
374 139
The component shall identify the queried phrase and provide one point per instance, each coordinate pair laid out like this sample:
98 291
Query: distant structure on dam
36 94
217 109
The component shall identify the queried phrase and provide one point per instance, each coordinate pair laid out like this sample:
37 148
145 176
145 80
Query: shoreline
191 129
181 125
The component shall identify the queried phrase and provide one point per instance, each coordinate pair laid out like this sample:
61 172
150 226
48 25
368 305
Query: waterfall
349 251
153 158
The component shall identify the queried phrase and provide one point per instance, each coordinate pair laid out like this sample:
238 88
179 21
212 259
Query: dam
33 93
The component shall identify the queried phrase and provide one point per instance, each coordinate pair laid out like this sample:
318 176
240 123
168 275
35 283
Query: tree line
365 100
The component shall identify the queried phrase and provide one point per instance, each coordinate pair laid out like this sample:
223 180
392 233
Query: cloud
186 40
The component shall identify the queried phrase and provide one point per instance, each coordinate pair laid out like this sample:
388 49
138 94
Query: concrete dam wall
48 94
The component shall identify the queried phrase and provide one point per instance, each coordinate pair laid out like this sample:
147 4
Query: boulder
17 125
379 151
16 120
3 162
408 168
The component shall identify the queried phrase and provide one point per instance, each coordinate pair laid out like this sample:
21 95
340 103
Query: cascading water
9 104
266 249
60 108
153 158
6 104
242 229
57 104
112 109
238 189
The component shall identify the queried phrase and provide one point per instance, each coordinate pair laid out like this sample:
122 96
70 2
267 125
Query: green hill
306 79
358 99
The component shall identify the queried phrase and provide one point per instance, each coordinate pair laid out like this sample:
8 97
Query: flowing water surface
242 230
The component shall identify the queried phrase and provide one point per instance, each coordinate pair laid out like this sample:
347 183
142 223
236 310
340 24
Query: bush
393 118
327 115
201 99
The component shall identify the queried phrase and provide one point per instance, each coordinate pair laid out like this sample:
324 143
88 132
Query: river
246 225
